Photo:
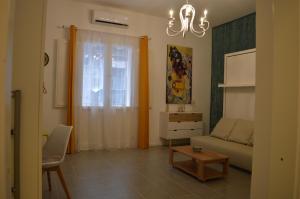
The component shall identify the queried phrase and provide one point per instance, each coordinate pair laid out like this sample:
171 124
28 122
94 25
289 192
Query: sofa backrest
242 131
223 128
236 130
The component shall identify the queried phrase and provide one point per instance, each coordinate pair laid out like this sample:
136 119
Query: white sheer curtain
106 86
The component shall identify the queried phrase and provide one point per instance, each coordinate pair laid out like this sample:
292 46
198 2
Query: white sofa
231 137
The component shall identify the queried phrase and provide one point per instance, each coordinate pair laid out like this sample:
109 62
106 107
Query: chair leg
62 180
49 180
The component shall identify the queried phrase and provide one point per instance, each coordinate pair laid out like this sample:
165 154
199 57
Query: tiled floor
138 174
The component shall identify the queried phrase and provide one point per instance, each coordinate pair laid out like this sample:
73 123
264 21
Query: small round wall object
46 59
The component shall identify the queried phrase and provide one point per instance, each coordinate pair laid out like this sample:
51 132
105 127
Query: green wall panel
234 36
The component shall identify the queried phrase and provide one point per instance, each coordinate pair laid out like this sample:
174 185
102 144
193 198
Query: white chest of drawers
180 125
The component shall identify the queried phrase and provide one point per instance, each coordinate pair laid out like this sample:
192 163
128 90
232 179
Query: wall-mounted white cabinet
239 84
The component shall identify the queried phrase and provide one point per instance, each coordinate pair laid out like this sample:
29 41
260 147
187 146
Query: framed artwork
179 75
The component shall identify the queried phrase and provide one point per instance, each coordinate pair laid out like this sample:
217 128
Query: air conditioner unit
109 18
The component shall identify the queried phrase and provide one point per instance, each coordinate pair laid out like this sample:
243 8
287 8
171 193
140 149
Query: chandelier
187 16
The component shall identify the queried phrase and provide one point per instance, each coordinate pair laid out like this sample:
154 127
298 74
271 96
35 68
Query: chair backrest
57 142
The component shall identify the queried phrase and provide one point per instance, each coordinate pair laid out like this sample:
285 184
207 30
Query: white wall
297 169
66 12
6 8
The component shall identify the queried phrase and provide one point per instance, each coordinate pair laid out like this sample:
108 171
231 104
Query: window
120 89
98 61
93 75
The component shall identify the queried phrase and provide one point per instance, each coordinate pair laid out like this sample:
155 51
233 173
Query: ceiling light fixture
187 15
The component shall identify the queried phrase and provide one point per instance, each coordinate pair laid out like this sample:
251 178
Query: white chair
54 152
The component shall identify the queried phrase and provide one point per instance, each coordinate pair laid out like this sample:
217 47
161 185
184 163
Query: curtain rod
66 27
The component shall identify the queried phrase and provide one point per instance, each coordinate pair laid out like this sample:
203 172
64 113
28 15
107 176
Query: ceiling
219 11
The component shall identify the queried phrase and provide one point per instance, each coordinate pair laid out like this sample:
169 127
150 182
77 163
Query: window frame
108 53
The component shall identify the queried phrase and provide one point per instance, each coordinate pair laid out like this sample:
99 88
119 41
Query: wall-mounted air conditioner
109 18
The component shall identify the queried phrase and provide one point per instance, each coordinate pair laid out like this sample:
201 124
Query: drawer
185 125
180 134
175 117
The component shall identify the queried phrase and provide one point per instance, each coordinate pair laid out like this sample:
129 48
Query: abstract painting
179 75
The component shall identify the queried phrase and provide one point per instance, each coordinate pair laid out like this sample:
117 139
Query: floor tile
139 174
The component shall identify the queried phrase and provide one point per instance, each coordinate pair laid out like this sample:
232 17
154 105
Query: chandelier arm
203 29
171 34
173 30
192 18
170 31
197 33
200 35
205 25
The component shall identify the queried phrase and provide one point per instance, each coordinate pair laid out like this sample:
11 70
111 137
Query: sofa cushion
239 155
223 128
242 131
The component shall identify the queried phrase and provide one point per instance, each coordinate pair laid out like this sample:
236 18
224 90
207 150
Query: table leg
170 143
171 156
200 171
225 167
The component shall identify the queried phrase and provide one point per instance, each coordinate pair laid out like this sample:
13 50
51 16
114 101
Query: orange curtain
70 103
143 127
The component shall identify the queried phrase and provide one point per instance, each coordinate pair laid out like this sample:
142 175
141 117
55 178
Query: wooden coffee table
197 166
